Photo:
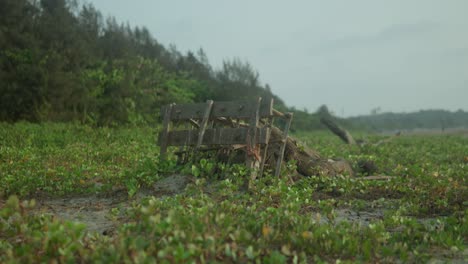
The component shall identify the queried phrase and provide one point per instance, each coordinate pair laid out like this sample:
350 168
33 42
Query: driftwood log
308 161
344 135
337 130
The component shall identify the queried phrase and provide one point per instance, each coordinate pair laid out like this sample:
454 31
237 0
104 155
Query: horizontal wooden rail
277 113
216 136
239 109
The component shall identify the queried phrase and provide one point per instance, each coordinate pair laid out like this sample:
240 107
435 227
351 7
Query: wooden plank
252 149
239 109
342 133
216 136
265 149
194 123
283 146
206 116
183 148
278 113
163 137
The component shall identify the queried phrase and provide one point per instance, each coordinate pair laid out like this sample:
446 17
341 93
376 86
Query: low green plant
420 213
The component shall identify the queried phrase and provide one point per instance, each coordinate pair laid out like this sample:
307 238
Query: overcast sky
353 56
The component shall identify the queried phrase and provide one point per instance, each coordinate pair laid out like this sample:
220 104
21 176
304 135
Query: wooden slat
283 146
269 122
183 148
253 150
163 139
217 136
278 113
240 109
206 116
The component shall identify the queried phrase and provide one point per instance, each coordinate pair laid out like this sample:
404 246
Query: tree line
424 119
62 61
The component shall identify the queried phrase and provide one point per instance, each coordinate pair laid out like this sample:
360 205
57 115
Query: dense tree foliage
63 62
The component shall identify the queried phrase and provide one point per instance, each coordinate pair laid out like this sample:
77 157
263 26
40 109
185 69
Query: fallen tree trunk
339 131
344 135
308 161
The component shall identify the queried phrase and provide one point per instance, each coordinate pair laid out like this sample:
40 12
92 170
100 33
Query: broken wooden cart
242 125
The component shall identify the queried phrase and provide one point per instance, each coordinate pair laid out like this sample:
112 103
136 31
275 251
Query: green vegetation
418 215
92 89
60 61
63 159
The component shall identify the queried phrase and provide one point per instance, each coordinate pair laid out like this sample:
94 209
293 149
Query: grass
419 215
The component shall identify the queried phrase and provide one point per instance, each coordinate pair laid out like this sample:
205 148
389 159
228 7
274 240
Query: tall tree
21 75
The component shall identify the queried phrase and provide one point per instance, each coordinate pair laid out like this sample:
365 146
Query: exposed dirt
96 210
91 210
361 217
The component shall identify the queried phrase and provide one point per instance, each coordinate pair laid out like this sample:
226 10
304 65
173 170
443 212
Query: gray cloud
386 36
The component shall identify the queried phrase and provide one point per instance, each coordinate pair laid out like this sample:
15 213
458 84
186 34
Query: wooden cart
238 125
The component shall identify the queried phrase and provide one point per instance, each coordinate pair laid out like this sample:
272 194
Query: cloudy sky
353 56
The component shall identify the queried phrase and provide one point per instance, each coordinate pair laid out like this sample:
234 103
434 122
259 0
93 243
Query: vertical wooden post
268 124
165 131
265 151
206 117
183 148
252 138
289 117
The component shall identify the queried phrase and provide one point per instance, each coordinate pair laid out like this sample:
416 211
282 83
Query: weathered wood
265 146
283 145
339 131
277 113
309 162
165 132
206 116
253 151
183 149
240 109
194 123
268 123
216 136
